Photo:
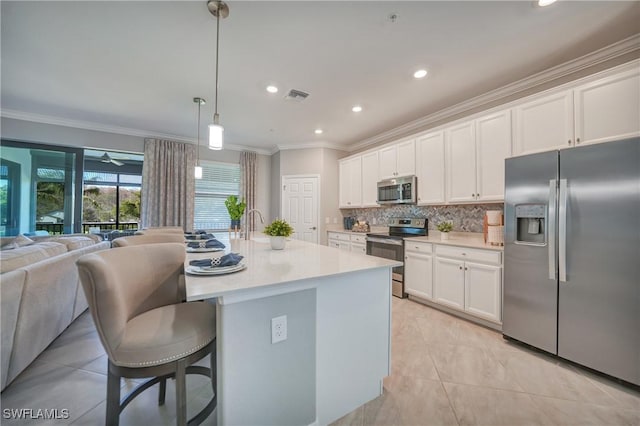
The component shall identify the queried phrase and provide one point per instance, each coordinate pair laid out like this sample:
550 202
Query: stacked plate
203 249
214 270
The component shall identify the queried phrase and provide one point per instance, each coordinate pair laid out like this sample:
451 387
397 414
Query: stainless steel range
390 245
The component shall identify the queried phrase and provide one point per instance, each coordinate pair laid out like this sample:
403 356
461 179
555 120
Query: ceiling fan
106 158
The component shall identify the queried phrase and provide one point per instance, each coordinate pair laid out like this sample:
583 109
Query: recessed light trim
318 131
420 74
543 3
356 108
272 89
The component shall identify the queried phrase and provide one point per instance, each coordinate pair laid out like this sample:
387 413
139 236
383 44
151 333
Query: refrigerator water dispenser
531 224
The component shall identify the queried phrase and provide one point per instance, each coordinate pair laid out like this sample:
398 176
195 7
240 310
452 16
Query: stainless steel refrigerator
572 255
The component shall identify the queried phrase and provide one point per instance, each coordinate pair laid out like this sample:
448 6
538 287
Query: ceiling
134 67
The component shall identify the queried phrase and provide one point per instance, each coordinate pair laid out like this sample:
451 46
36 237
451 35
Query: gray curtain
248 176
168 184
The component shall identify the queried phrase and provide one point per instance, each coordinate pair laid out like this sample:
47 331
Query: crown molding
596 57
118 130
307 145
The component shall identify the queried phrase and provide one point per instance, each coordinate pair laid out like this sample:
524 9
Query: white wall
313 161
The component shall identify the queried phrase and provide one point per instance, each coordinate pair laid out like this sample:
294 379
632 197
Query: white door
461 162
449 282
430 168
370 179
483 290
608 109
406 159
493 145
387 158
418 274
544 124
300 195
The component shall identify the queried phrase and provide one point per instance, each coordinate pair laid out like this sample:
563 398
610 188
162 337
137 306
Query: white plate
196 270
203 249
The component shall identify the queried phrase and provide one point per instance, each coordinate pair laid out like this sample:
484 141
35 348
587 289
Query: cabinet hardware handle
569 142
406 258
464 254
466 269
578 140
461 268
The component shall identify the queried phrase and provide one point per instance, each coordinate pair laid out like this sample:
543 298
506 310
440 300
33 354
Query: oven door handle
388 241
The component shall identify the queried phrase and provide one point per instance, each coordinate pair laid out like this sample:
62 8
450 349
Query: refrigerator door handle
562 231
551 220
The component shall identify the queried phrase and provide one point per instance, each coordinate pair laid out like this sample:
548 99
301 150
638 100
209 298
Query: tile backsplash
465 217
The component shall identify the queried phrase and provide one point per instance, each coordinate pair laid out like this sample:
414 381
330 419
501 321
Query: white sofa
40 295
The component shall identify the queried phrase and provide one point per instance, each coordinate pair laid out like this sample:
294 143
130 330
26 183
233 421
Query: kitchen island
337 348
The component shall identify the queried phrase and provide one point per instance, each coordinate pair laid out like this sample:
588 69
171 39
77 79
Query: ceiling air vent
296 95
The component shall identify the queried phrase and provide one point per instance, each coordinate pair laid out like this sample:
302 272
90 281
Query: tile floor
445 371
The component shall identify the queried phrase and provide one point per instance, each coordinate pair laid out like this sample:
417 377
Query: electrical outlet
374 221
335 220
278 329
326 220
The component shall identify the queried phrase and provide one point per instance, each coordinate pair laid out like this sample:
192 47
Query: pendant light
198 169
219 9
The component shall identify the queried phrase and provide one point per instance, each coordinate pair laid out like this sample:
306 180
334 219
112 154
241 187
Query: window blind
219 180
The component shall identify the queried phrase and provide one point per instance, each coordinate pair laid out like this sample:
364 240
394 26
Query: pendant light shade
198 168
219 9
216 134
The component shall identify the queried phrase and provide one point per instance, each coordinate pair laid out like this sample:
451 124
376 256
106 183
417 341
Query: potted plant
445 228
277 231
235 209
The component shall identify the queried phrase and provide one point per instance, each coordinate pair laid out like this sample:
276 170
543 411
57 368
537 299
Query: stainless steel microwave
400 190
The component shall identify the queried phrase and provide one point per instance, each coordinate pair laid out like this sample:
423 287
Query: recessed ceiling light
272 89
420 74
356 108
318 131
543 3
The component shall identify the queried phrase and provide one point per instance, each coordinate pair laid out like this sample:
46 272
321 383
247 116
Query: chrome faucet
247 232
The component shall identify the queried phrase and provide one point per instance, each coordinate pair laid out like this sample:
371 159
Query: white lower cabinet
449 282
469 280
418 270
483 295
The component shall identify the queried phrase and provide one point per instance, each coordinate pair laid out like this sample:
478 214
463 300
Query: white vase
444 235
277 243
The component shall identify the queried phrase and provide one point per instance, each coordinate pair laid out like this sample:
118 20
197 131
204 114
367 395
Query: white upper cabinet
608 109
461 162
370 178
544 124
493 146
430 168
350 186
602 110
397 160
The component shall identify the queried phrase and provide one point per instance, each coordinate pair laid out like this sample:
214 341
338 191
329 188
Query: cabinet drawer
474 255
338 236
360 239
334 244
418 247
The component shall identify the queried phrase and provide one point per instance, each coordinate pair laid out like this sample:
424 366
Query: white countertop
266 267
461 239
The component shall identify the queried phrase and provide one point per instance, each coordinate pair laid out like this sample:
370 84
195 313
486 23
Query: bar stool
135 297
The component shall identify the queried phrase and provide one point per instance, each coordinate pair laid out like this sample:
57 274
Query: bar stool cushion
165 334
